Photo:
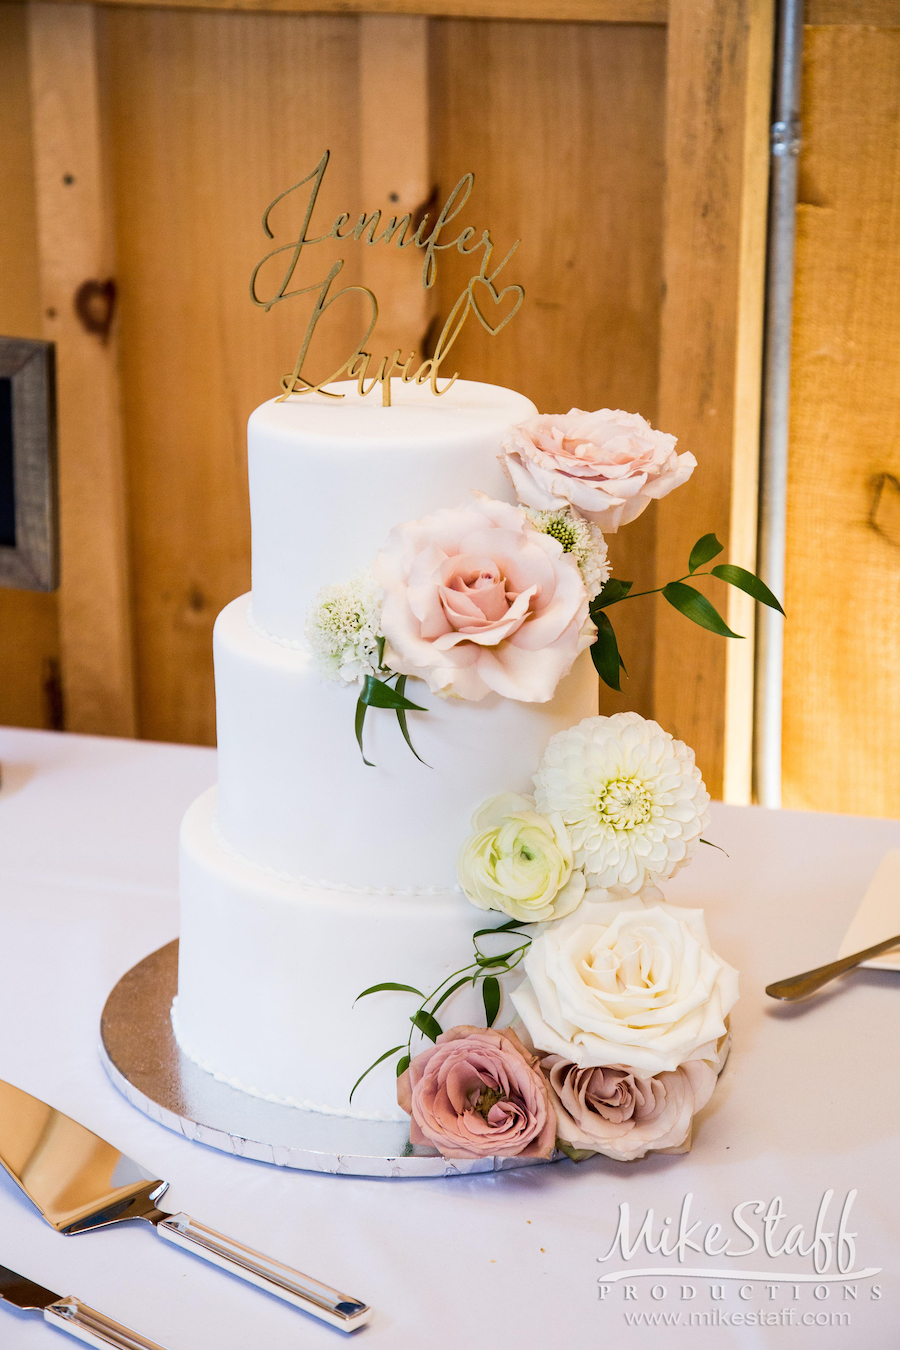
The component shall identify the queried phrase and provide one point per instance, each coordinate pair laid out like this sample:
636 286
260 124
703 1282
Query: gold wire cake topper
480 296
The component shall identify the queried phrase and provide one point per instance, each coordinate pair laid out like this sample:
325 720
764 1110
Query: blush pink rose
615 1111
478 1093
608 465
476 600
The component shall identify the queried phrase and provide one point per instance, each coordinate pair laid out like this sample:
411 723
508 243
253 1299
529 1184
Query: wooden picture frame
29 516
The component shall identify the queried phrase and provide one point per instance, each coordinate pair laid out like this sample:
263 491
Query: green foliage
703 552
424 1022
490 992
377 989
686 599
361 710
381 1058
613 591
697 608
501 928
748 582
452 990
709 844
378 693
605 653
401 718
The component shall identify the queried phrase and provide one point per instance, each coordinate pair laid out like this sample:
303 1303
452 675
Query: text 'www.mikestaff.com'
720 1317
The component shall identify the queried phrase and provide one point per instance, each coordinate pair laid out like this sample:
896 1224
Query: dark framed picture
29 531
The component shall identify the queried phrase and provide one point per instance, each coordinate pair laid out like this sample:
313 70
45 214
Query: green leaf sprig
484 967
686 599
377 692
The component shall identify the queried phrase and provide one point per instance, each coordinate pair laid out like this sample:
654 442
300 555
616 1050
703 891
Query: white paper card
878 917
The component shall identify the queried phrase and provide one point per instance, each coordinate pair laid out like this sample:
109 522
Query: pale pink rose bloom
608 465
615 1111
476 600
478 1093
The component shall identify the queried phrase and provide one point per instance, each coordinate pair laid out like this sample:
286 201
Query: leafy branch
377 692
484 967
686 599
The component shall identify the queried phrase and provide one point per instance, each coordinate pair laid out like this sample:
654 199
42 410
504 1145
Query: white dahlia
631 797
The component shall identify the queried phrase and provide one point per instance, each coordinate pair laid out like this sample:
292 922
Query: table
809 1102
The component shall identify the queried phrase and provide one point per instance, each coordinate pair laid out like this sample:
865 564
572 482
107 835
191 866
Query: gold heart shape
495 300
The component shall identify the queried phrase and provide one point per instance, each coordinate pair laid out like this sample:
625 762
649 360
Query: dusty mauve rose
615 1111
476 599
608 465
478 1093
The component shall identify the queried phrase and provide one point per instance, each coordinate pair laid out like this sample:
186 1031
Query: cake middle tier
296 797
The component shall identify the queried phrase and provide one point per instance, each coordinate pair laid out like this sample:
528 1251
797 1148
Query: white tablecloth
809 1103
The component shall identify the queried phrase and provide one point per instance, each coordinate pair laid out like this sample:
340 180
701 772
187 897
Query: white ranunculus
631 796
620 983
519 862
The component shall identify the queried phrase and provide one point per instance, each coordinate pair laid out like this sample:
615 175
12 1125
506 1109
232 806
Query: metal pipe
785 148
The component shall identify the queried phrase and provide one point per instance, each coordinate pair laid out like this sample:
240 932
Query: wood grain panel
75 247
564 11
874 13
29 649
395 171
719 70
563 127
842 652
212 115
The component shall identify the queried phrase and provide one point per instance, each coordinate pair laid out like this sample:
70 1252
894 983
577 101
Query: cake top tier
330 478
416 417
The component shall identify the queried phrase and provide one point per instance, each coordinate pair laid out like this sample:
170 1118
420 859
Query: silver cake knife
70 1314
80 1182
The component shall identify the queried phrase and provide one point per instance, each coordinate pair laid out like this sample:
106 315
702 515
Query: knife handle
94 1328
339 1310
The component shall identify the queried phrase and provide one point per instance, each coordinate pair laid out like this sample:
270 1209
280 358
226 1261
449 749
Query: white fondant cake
318 876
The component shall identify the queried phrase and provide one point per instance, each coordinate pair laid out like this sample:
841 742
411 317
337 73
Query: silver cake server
70 1314
80 1182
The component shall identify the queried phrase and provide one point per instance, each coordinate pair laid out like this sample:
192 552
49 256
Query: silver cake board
143 1059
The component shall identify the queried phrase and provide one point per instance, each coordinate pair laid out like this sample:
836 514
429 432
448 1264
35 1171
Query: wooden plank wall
842 692
76 250
211 116
29 646
719 82
576 170
207 115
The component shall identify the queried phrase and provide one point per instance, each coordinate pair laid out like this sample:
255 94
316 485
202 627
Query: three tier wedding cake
410 758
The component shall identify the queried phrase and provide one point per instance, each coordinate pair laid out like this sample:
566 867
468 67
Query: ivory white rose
631 796
476 600
519 862
608 465
620 983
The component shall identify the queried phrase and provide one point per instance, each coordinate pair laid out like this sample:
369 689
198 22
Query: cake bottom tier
269 971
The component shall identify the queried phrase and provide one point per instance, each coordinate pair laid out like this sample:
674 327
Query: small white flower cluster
344 626
580 537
